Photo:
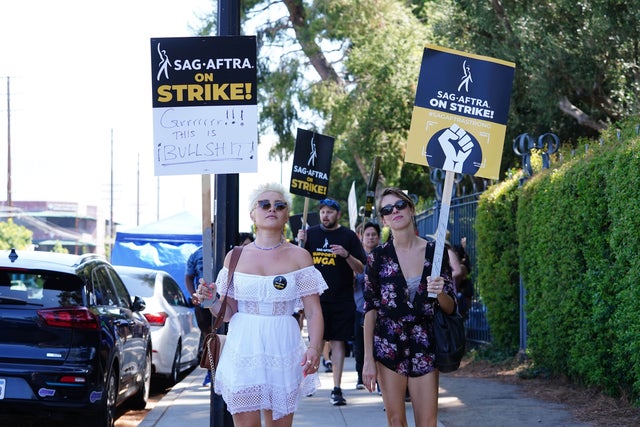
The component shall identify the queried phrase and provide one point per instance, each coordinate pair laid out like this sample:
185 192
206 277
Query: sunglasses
388 209
279 205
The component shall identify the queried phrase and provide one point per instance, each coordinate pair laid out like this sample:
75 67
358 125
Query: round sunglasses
388 209
279 205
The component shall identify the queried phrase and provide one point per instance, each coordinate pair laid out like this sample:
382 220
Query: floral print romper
403 333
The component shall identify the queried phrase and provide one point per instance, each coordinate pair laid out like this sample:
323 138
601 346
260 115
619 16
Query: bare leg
425 390
247 419
393 387
286 421
338 349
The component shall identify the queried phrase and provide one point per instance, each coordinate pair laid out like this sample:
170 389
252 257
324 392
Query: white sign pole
207 238
441 232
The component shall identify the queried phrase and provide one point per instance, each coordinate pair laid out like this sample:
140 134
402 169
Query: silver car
175 335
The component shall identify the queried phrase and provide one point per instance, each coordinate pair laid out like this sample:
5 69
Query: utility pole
111 200
9 199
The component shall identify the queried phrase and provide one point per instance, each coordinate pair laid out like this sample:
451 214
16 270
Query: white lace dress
260 363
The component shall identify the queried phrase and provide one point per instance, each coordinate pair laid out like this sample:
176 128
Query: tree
58 248
346 69
577 66
14 236
349 69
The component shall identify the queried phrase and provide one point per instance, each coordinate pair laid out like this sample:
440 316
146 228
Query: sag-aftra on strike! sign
311 164
460 112
204 97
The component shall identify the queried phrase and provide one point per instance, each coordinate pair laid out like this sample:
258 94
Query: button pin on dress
279 282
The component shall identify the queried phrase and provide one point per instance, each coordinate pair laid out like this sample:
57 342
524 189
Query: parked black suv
71 338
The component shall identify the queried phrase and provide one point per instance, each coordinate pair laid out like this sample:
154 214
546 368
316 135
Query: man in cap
338 254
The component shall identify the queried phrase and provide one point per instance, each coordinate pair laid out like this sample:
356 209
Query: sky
79 76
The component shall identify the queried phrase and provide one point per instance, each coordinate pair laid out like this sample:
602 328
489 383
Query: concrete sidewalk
463 402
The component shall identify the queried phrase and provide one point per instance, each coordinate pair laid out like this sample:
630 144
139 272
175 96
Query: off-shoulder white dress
260 363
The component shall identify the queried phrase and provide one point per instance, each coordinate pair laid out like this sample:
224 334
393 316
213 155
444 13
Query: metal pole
226 199
523 320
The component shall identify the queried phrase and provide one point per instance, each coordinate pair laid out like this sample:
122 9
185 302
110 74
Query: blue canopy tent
164 245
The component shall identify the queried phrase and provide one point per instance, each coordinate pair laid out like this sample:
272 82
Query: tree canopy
13 235
349 69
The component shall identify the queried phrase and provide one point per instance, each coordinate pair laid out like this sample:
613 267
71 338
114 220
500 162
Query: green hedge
571 234
497 262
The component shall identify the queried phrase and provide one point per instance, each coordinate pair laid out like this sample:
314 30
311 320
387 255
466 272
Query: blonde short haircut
269 186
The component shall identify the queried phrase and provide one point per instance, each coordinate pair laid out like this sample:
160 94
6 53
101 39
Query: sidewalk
463 402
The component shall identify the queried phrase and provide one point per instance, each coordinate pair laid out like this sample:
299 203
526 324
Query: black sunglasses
388 209
279 205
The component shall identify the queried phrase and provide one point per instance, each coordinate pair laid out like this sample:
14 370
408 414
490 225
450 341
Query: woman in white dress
265 365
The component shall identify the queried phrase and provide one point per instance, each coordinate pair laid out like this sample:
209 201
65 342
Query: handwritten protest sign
205 116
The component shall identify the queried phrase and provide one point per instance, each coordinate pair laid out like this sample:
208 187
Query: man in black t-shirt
337 253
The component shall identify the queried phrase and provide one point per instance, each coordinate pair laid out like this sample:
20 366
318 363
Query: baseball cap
330 203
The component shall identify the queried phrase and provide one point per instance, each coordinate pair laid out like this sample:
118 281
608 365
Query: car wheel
106 414
140 399
175 368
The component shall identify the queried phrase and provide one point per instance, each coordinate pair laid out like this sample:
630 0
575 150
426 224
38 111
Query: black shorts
339 318
204 318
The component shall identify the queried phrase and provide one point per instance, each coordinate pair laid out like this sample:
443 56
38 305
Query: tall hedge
497 262
573 232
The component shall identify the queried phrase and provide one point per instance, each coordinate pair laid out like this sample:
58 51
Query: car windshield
42 288
140 284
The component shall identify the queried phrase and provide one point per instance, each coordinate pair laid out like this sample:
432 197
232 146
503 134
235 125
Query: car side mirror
138 304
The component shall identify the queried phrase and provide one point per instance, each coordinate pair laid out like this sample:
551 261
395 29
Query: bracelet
317 351
348 255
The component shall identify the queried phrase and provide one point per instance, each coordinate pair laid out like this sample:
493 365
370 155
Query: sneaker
207 379
328 366
359 386
336 397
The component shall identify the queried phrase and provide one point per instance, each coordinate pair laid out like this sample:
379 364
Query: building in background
77 228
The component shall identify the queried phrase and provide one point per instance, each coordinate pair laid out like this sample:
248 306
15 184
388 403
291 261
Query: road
125 416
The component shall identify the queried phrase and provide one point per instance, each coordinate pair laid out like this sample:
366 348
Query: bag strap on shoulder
235 256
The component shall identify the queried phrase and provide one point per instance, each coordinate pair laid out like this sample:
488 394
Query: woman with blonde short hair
265 366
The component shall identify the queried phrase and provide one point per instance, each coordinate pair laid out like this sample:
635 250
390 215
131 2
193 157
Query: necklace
269 249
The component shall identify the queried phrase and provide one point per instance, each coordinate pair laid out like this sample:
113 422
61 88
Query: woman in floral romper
398 326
